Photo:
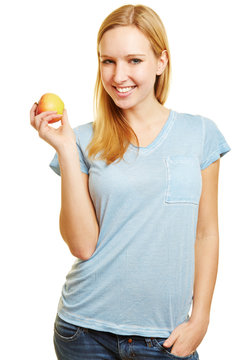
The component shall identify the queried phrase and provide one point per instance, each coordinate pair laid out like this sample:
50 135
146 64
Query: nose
120 73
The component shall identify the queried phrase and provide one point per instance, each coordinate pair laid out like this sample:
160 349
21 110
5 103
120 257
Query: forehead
123 40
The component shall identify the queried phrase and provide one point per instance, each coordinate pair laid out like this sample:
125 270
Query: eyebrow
102 56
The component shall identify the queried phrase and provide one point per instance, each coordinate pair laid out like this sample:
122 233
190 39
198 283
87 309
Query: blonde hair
111 132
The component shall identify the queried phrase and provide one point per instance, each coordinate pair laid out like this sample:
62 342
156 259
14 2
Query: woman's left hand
186 337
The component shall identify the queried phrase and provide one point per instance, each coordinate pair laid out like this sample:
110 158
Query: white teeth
126 89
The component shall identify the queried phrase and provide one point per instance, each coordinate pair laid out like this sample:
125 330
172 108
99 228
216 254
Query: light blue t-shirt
139 280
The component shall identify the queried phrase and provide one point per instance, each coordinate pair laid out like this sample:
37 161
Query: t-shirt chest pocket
184 180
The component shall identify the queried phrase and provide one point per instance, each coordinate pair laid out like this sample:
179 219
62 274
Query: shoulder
188 125
83 133
188 118
199 122
83 128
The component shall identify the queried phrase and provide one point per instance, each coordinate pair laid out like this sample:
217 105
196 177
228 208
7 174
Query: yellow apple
50 102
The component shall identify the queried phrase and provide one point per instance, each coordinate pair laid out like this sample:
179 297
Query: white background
50 46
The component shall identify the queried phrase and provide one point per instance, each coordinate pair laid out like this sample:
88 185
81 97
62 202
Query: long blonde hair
111 132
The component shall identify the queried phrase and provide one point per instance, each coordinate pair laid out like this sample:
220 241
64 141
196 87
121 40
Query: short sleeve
214 144
54 164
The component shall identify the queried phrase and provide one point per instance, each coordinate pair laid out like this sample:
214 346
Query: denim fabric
139 280
74 343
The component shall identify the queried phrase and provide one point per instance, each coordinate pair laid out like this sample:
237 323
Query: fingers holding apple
42 120
33 114
49 108
47 111
50 102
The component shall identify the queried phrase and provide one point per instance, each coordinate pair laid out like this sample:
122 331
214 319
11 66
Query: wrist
68 155
200 319
67 149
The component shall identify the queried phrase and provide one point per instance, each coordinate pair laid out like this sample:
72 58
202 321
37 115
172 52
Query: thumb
170 341
64 117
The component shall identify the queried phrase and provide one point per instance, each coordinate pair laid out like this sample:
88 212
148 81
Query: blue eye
109 61
138 61
105 61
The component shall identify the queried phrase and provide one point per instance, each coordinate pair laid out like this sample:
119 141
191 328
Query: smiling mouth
125 89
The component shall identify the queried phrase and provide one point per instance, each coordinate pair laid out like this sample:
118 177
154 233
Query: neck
146 116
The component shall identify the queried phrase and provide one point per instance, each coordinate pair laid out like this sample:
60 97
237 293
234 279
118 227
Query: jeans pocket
158 342
184 179
66 331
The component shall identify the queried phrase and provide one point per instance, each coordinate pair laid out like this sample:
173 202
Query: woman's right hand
56 137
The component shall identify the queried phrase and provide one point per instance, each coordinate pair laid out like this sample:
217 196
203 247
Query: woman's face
128 66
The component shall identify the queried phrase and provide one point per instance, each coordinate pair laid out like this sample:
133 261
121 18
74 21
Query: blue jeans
72 342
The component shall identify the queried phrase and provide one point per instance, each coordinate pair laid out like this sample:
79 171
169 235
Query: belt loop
148 342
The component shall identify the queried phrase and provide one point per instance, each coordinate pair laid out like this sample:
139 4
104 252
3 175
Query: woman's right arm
78 222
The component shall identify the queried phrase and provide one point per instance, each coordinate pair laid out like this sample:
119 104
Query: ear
162 62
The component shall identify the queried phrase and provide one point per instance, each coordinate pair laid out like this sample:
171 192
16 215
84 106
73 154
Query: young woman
139 190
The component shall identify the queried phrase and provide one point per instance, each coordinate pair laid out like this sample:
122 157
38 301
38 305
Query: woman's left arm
186 337
206 245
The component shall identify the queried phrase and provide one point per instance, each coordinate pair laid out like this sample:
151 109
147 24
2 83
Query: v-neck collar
160 137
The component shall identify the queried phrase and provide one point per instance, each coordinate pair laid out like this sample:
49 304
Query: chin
123 106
